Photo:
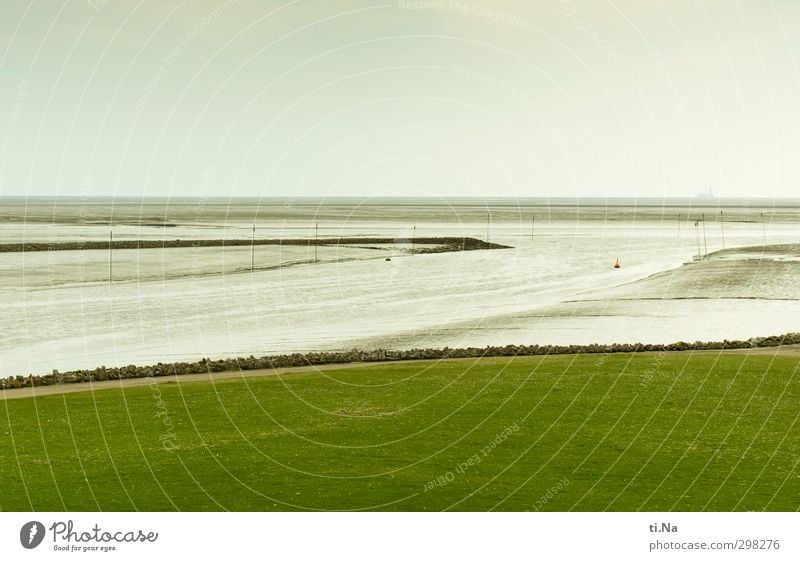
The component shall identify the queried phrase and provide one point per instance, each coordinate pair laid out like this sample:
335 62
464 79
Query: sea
699 269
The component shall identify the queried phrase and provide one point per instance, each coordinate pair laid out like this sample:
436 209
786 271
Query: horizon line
403 197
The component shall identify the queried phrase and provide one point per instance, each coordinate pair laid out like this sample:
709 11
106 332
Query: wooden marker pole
110 256
697 238
705 242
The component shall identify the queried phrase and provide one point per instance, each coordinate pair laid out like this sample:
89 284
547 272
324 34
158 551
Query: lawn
669 431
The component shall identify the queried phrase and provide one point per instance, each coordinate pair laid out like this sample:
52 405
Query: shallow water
558 286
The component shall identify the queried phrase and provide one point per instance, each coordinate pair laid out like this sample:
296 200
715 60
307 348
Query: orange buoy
617 265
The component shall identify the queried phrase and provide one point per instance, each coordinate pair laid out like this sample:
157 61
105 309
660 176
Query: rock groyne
379 355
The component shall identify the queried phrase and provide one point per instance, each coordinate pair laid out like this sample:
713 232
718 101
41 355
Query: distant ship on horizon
709 194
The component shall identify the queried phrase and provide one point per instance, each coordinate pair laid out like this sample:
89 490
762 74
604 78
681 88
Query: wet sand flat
556 286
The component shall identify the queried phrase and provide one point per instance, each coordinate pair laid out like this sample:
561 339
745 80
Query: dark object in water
388 258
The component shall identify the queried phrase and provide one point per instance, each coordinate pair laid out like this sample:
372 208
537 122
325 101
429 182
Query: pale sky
371 98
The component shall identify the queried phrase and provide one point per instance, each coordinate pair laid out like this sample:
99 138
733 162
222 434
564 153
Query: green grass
618 432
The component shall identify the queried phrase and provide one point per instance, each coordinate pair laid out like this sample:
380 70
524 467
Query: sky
446 98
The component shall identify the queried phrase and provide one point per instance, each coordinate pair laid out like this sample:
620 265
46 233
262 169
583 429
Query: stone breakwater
206 365
442 244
